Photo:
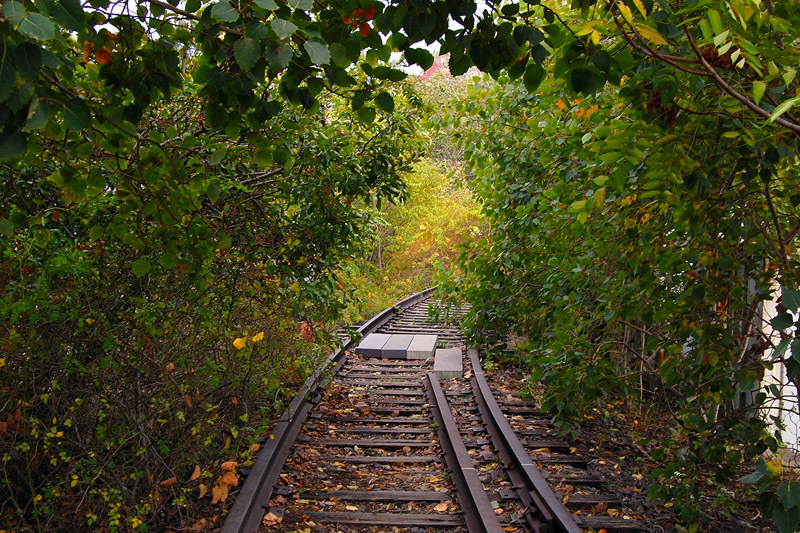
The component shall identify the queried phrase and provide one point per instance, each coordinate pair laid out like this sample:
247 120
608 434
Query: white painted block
422 347
396 347
448 363
372 344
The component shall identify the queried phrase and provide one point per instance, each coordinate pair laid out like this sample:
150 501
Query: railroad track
384 445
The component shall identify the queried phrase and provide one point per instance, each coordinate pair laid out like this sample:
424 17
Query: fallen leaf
201 525
271 519
351 507
255 447
613 512
600 508
228 466
203 491
441 507
168 482
170 367
219 494
229 480
195 474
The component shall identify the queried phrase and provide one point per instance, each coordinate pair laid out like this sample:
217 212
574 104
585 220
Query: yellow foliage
239 343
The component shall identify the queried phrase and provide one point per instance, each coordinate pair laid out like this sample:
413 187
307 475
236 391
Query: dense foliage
179 177
412 240
638 227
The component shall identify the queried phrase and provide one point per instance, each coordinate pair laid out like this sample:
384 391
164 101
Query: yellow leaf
195 474
228 466
2 362
774 466
203 490
640 6
295 287
239 343
441 507
90 321
650 34
255 447
626 11
271 519
587 27
257 337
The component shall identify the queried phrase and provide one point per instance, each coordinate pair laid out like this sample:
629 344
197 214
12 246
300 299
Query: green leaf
247 52
385 102
279 55
282 28
782 321
783 108
366 115
753 477
780 348
28 60
223 10
96 232
168 259
715 20
269 5
12 145
38 114
213 192
759 87
6 227
789 493
14 12
140 267
282 156
318 52
582 80
77 114
533 77
338 54
602 60
37 26
70 15
786 519
302 4
459 66
796 350
791 298
8 79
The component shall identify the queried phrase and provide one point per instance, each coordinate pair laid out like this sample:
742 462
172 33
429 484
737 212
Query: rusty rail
533 489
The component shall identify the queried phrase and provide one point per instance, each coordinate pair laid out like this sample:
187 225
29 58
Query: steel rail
478 512
552 509
250 505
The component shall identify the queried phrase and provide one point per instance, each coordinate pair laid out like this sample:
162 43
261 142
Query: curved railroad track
375 444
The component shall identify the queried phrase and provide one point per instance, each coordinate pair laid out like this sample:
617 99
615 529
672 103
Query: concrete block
372 344
448 364
422 347
396 347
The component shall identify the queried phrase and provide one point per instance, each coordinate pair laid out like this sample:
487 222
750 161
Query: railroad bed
383 445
